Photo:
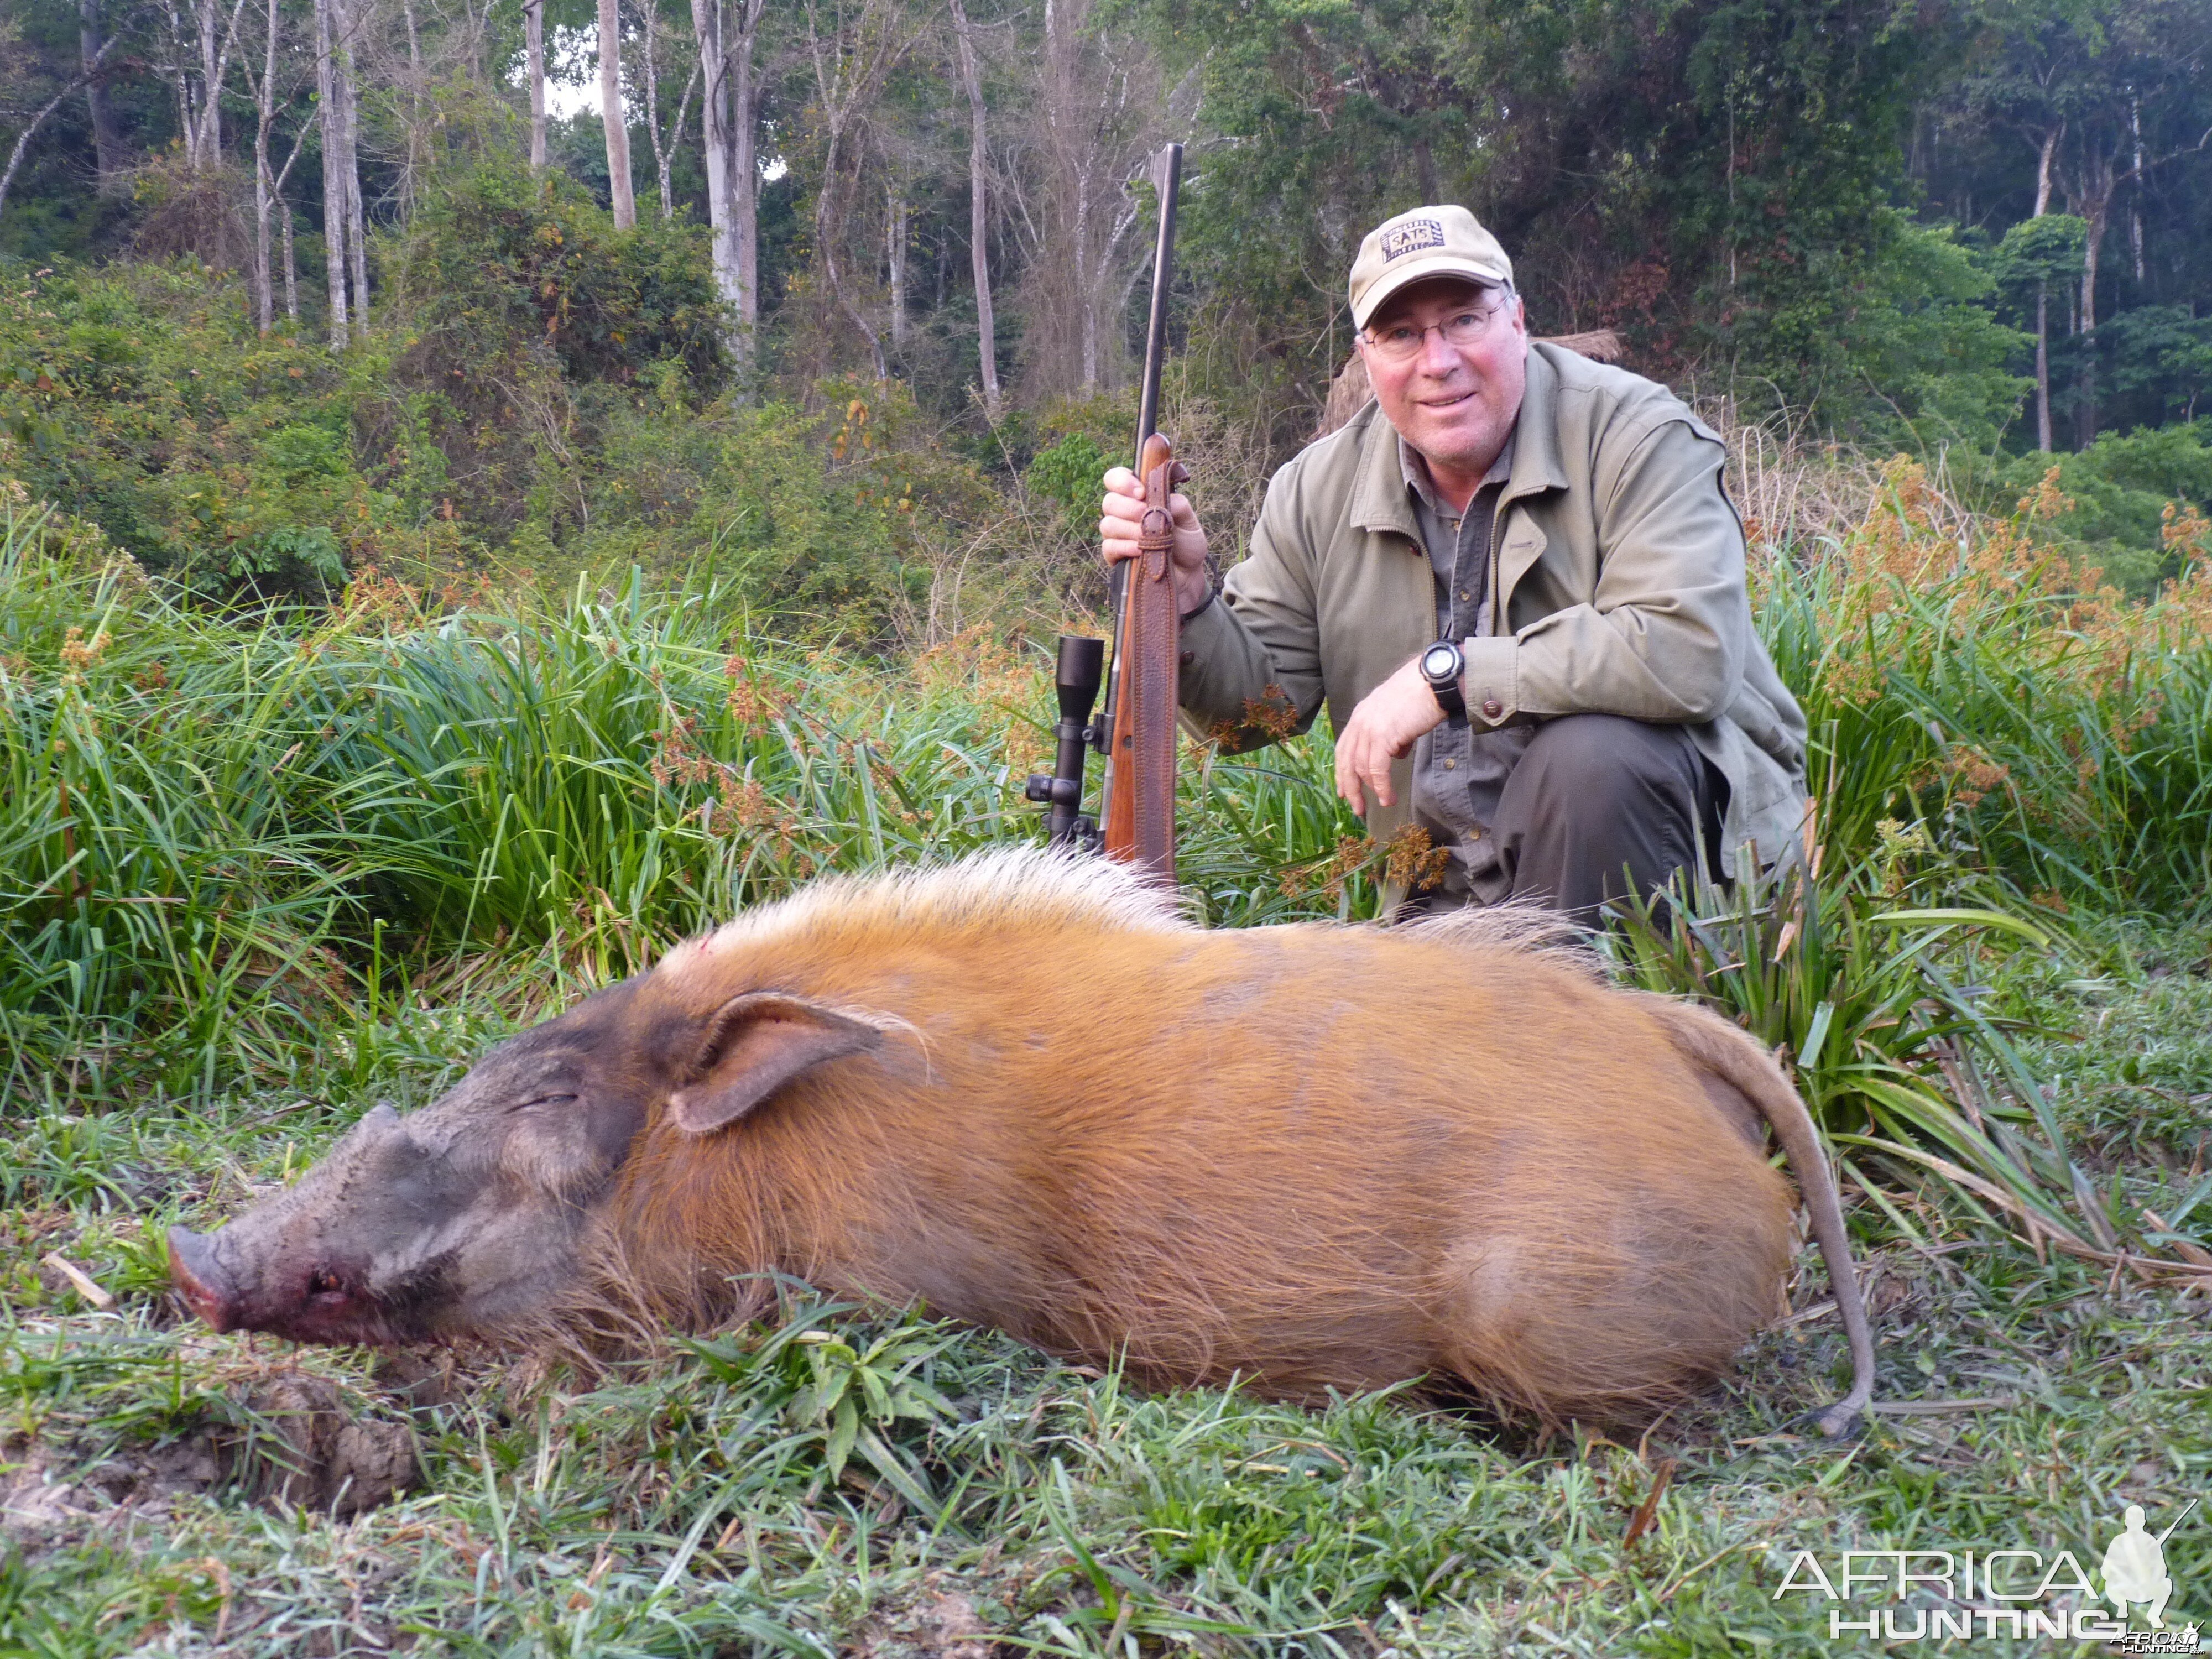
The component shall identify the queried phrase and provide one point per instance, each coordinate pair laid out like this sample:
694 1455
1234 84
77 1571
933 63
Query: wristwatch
1441 664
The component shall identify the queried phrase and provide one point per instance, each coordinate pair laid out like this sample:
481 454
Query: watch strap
1447 690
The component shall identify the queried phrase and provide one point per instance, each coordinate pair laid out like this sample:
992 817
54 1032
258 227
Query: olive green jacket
1617 587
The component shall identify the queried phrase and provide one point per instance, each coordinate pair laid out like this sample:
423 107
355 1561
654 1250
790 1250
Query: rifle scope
1082 662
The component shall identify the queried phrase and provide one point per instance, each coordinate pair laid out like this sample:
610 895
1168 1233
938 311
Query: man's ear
754 1045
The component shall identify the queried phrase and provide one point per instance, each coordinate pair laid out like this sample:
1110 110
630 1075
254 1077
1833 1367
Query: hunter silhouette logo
2135 1568
1412 237
1932 1594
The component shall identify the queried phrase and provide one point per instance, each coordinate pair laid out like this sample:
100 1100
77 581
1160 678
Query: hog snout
201 1280
305 1299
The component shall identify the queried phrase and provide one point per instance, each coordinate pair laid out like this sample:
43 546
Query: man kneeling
1514 580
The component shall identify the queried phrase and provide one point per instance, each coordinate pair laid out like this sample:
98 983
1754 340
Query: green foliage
1902 348
2039 254
164 900
1066 472
554 394
837 1390
2163 355
140 399
2118 489
829 517
1985 685
497 264
1888 1048
218 840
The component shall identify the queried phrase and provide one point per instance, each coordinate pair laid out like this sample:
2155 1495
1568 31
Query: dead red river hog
1024 1091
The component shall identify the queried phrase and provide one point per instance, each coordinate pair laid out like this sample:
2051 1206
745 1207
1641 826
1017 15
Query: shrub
2117 491
499 261
139 399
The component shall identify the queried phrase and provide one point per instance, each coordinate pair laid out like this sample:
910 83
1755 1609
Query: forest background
443 562
298 288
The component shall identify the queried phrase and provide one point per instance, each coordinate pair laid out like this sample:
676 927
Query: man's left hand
1385 726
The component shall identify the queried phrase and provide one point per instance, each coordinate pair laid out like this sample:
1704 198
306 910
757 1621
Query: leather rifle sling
1140 813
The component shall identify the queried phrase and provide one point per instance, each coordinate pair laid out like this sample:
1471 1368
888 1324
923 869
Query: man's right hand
1121 520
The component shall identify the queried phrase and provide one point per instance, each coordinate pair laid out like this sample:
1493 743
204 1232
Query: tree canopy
1964 223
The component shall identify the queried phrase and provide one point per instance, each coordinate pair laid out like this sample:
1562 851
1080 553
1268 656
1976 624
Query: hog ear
755 1044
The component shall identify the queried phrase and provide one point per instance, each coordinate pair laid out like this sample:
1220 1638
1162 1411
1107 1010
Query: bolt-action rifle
1137 733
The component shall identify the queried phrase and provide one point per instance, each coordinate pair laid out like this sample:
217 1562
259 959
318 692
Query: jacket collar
1379 501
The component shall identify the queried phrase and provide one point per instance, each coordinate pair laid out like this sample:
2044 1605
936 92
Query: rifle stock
1139 827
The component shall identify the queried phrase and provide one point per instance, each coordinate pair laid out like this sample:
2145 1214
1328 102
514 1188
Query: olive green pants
1599 806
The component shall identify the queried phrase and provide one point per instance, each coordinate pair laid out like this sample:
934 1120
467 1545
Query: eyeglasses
1401 342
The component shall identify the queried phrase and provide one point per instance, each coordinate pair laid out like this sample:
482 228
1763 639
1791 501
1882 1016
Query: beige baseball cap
1430 242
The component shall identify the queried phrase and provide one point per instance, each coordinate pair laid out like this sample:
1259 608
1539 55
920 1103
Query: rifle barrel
1166 172
1167 181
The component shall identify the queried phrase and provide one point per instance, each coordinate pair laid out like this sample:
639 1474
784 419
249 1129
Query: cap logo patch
1412 237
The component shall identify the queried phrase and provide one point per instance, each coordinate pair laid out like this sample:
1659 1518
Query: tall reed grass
1962 678
219 835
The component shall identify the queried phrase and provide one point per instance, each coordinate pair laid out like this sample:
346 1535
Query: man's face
1454 403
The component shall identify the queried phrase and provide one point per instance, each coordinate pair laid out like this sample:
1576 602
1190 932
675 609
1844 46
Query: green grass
257 874
711 1503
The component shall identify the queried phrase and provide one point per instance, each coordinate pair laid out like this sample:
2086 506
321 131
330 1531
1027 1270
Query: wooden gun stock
1139 826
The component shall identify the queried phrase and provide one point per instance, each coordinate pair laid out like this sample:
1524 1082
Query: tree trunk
334 191
2135 202
417 149
107 139
676 141
31 127
744 170
265 263
827 226
895 258
180 79
2089 192
653 113
714 142
664 153
2043 158
1095 100
610 115
533 40
347 21
203 137
1424 170
204 147
265 183
979 218
1086 296
291 265
2043 366
2097 219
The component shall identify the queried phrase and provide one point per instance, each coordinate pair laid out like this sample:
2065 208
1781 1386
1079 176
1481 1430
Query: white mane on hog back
1005 886
1515 928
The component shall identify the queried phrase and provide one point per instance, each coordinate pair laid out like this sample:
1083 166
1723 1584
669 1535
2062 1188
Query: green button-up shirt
1460 770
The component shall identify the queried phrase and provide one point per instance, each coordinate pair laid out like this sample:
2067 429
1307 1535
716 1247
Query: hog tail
1708 1041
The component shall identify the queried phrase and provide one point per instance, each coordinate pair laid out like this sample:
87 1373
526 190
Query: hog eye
547 1100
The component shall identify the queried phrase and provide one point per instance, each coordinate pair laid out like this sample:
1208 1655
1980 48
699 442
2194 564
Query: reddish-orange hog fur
1023 1091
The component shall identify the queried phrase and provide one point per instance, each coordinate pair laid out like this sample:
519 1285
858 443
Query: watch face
1440 662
